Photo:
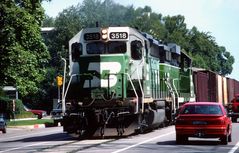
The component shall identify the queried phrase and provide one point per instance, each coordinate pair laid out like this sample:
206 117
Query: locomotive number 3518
118 35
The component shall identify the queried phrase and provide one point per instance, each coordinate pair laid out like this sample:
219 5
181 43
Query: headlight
104 33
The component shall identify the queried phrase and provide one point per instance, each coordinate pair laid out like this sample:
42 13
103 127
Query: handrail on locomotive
64 94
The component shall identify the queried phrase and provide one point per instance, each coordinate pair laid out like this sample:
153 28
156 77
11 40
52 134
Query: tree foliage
23 56
201 46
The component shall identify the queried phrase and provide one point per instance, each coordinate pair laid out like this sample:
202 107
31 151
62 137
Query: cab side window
185 62
162 54
136 50
76 51
168 56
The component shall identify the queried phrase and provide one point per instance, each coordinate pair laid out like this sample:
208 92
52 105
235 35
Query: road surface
53 140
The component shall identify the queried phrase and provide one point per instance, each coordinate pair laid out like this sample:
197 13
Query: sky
219 17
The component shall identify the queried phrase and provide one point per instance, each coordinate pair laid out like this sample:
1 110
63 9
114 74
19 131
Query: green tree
142 19
207 54
106 13
71 20
23 56
177 31
48 21
200 45
226 61
67 24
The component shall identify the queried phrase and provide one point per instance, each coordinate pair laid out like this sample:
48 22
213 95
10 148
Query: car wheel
55 123
230 138
178 139
4 131
224 140
39 116
181 139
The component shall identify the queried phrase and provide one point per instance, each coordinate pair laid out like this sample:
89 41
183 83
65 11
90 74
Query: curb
35 126
23 119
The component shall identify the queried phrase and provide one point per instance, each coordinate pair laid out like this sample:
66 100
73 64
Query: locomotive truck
119 77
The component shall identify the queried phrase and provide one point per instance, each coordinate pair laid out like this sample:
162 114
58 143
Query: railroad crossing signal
59 81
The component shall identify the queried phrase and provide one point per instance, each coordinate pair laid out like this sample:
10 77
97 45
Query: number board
92 36
118 35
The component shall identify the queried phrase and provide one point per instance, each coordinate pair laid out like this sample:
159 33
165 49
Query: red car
39 113
203 120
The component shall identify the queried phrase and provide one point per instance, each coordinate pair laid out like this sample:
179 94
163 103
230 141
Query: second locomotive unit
120 77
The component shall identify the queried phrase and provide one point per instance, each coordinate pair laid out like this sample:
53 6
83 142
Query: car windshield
1 119
202 109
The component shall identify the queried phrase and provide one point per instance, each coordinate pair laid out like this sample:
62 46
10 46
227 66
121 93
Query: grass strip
30 122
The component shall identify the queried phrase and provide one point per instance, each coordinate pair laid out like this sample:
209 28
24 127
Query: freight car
119 77
212 87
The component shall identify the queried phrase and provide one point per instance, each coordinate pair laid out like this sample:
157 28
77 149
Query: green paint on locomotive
185 82
104 75
169 74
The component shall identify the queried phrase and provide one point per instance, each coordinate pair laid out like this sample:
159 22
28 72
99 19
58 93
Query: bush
24 114
7 107
19 107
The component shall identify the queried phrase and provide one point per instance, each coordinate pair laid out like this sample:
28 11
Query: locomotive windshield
111 47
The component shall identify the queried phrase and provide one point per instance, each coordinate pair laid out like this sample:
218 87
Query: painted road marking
137 144
234 148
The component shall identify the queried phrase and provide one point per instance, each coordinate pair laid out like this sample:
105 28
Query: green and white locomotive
121 77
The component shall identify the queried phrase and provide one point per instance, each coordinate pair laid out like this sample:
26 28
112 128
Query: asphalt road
53 140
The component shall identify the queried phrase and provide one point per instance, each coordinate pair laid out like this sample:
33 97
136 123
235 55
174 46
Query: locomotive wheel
140 130
88 126
102 132
92 125
120 130
141 124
